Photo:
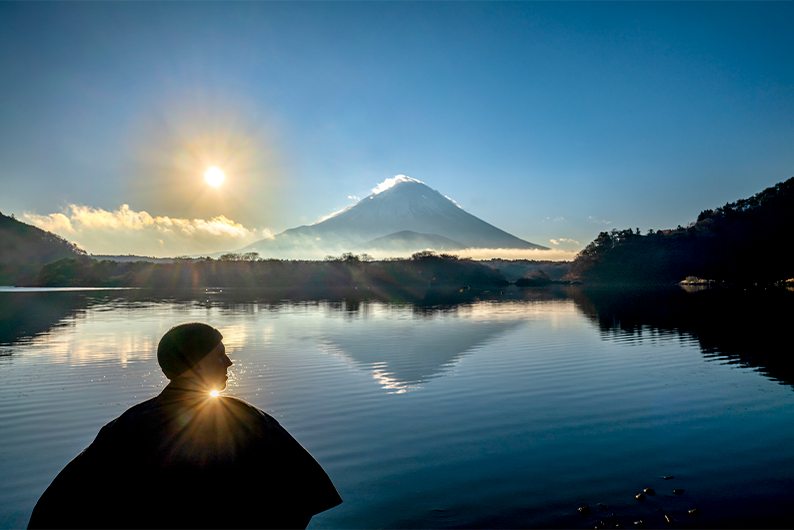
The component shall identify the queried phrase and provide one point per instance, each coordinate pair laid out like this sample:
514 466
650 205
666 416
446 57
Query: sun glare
214 393
214 176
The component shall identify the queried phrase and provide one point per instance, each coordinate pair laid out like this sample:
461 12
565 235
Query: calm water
506 412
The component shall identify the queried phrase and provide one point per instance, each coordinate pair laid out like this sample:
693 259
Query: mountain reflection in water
402 356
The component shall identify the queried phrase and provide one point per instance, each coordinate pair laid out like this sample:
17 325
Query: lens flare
214 393
214 176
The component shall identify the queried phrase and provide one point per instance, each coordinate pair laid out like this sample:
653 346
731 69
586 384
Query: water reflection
403 356
745 327
399 354
24 315
538 418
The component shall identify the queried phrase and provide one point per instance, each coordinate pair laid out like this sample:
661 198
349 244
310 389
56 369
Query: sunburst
214 177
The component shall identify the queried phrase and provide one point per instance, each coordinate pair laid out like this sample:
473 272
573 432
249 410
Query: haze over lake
501 410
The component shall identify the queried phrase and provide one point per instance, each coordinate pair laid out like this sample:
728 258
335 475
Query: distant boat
693 280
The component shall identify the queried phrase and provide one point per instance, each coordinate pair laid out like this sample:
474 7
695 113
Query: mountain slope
24 248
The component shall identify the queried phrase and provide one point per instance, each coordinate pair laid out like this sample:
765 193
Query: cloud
125 231
265 233
55 222
453 202
488 253
354 198
388 183
517 253
563 240
599 222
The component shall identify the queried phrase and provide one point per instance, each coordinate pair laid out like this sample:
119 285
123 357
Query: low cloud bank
517 253
125 231
473 253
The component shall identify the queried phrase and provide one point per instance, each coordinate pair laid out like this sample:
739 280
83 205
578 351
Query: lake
505 409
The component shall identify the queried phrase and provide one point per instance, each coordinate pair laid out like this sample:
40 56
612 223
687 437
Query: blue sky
552 121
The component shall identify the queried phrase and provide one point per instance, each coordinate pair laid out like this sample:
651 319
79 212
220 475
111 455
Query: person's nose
226 361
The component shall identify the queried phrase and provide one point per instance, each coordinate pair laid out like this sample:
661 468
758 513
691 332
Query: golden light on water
214 393
214 177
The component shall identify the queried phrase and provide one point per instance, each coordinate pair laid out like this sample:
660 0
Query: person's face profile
212 368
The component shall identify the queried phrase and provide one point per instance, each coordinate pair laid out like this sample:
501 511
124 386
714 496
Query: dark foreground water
505 412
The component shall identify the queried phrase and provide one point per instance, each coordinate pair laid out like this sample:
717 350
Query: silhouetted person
185 459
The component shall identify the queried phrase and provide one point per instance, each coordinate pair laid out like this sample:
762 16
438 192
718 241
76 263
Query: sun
214 177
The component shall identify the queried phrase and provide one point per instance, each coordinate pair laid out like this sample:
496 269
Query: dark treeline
423 269
736 243
518 269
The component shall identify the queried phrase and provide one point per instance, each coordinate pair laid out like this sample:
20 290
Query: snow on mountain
399 204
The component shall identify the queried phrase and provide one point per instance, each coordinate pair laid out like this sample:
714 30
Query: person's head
194 352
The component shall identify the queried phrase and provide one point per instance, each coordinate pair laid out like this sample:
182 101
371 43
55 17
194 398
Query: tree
423 255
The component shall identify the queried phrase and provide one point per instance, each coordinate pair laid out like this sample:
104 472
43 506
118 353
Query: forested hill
746 241
25 248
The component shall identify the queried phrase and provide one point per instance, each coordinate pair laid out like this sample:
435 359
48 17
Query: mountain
402 214
24 248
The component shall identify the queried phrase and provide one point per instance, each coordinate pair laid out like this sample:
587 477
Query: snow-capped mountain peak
399 204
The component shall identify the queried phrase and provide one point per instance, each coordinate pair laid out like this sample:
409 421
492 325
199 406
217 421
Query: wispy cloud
564 240
598 221
125 231
388 183
454 202
556 219
354 198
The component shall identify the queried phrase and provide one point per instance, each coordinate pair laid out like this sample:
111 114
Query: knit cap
183 346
